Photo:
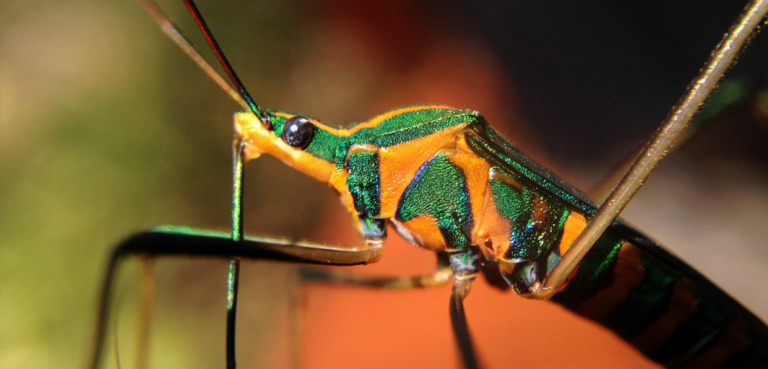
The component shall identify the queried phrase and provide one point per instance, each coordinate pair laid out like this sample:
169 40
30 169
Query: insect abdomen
663 307
630 285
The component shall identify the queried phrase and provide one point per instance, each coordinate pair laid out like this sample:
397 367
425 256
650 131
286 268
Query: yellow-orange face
303 143
402 140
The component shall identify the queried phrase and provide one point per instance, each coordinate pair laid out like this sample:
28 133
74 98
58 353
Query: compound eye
298 131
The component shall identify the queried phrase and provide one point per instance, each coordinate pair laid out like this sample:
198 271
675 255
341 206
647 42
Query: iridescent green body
632 286
448 182
440 191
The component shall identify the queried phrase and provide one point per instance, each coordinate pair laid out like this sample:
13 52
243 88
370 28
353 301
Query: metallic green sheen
404 127
411 125
607 262
439 189
491 146
364 182
529 237
594 274
398 129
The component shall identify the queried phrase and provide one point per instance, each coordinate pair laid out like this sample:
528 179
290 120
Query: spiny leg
179 241
374 232
440 277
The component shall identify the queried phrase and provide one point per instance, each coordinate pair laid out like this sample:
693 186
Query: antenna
222 58
241 95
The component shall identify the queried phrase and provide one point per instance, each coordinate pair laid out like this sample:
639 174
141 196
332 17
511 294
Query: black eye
298 131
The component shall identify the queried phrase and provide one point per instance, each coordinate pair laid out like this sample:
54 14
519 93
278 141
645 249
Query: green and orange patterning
449 183
414 167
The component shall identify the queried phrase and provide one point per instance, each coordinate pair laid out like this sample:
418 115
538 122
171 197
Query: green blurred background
107 129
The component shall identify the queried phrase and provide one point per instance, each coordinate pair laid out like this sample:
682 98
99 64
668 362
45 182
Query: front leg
181 241
374 231
440 277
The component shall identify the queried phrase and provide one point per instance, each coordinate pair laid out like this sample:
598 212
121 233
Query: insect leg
440 277
465 266
179 241
460 290
722 58
233 275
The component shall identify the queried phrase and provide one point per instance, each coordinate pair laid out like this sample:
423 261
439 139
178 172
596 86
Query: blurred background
106 129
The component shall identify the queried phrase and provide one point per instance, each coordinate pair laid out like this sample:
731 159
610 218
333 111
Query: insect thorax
442 194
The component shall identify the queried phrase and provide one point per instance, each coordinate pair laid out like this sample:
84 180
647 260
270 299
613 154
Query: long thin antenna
222 58
245 100
173 32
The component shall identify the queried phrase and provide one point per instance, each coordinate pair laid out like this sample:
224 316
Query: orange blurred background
353 327
107 129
